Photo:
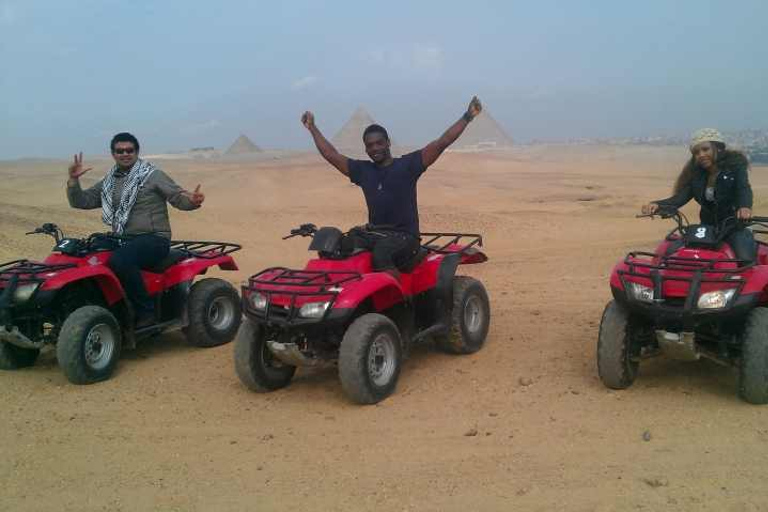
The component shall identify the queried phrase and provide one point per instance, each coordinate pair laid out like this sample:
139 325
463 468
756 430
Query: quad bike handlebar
303 230
50 229
664 213
722 230
311 229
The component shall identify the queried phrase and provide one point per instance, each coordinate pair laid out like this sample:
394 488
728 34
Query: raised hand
76 168
475 107
195 197
308 120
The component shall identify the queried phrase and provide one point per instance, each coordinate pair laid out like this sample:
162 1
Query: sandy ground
175 430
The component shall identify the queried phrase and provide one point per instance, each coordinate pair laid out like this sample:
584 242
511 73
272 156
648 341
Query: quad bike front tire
470 318
753 372
615 365
214 313
89 345
13 357
255 364
370 358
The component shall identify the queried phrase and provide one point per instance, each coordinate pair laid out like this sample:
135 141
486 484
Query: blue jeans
742 241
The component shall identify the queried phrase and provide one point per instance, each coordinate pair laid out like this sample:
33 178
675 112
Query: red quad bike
338 311
73 300
691 298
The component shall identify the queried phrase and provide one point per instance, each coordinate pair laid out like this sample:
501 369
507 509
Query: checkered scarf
117 217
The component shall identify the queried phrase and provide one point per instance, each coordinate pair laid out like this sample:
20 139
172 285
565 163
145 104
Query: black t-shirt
390 192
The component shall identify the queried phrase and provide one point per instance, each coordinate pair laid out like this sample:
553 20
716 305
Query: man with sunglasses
133 197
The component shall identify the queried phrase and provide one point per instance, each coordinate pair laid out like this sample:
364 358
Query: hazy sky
191 73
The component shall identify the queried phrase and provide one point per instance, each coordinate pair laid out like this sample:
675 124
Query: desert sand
524 424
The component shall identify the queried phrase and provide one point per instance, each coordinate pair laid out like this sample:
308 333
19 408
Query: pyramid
243 145
484 132
349 139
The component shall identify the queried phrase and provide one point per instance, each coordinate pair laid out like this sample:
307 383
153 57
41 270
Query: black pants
742 241
126 262
391 250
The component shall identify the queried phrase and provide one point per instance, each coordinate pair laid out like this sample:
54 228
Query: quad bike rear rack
204 250
447 243
323 285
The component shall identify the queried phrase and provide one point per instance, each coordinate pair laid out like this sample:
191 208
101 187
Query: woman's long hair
723 158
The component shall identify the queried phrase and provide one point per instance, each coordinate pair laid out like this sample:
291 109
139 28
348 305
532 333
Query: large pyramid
349 140
242 146
484 132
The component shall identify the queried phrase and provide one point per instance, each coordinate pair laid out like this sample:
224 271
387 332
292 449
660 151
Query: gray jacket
150 211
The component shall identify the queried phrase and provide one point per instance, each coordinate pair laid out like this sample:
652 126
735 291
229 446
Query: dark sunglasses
124 151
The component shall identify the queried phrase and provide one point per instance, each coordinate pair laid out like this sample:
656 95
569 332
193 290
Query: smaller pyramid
484 132
242 146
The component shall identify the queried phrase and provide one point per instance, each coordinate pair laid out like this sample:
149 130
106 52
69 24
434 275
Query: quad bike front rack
26 271
640 265
321 285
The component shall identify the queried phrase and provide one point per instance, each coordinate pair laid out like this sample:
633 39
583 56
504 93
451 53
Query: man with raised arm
133 198
389 184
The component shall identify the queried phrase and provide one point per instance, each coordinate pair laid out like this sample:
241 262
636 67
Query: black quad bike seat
174 256
414 261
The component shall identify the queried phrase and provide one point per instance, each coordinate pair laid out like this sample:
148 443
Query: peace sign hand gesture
195 197
76 168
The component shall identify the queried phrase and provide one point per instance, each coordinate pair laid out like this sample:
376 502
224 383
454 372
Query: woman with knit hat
717 179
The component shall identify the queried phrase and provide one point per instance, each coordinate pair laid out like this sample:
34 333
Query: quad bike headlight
313 309
258 301
24 292
640 292
715 300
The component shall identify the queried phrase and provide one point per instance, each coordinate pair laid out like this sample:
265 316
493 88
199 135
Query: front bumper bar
12 335
663 314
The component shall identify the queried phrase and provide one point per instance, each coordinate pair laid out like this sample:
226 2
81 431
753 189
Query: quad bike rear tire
753 373
370 358
214 313
470 318
13 357
615 365
255 364
89 345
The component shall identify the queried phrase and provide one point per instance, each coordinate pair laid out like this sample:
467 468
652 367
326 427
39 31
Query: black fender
444 288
